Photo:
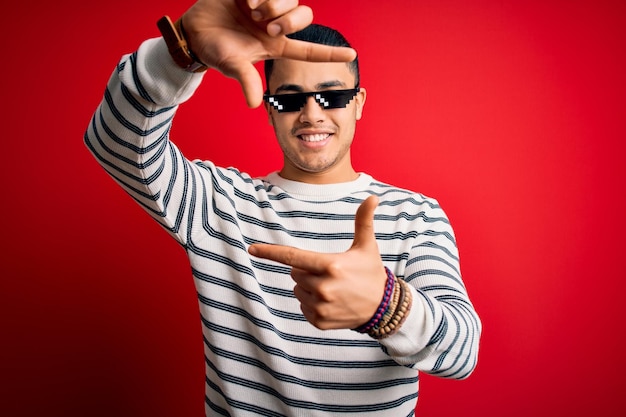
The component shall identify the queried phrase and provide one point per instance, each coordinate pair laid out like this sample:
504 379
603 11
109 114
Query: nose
312 112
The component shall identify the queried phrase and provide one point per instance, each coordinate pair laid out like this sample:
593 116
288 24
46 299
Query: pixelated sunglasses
327 99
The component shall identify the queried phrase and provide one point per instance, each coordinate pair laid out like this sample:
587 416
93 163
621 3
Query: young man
322 291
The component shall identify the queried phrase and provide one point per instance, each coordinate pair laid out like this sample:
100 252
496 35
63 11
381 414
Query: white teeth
315 138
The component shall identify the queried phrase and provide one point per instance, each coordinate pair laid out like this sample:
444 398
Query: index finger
298 258
291 19
315 52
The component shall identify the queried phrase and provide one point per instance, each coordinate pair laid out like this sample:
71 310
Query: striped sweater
262 357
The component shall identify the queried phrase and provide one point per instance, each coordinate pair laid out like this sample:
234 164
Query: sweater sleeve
441 334
128 133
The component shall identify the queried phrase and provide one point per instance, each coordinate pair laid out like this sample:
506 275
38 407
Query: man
322 291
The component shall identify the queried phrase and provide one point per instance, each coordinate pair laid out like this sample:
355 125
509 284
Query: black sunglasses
327 99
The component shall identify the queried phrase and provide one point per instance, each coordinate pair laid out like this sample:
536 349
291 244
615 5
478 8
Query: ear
359 100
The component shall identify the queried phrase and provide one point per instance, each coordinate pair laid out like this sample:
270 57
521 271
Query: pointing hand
336 290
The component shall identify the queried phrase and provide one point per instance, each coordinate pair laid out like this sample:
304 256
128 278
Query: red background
511 113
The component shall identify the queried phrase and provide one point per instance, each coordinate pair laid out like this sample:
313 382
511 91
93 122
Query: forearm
441 334
438 337
128 134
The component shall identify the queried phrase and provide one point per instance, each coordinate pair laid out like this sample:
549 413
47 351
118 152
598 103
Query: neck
325 177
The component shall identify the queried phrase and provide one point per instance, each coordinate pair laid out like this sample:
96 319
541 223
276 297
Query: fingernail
273 29
253 3
256 15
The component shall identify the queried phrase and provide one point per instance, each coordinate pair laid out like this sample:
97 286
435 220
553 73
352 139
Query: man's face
315 142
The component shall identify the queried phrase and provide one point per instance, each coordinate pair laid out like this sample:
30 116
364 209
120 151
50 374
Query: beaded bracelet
390 326
383 306
392 307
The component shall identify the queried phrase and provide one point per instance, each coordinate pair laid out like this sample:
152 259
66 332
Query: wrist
392 310
177 45
383 307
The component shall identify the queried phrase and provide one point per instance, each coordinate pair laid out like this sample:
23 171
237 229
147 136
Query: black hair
321 35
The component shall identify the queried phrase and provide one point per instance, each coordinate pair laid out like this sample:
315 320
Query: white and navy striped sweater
262 357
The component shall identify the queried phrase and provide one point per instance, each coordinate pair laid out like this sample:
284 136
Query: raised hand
336 290
232 35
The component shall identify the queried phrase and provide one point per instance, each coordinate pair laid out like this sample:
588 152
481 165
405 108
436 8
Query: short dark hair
322 35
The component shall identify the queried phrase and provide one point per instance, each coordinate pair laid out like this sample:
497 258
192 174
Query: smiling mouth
314 138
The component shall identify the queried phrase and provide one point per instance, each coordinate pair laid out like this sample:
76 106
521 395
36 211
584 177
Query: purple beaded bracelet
384 304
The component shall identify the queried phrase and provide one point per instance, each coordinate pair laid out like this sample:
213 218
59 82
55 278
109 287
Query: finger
308 313
292 19
252 86
249 79
303 295
314 52
297 258
364 223
274 9
253 4
305 279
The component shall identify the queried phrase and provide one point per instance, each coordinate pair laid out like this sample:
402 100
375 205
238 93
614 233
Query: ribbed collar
320 191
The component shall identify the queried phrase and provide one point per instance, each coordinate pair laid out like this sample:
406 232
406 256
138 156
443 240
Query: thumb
364 223
249 79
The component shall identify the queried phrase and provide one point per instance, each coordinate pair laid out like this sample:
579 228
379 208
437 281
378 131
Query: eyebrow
318 87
